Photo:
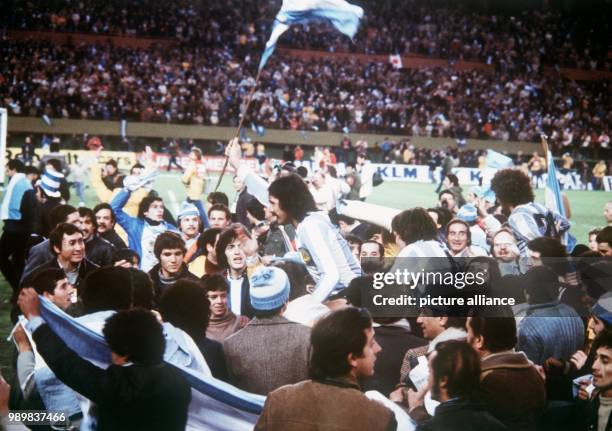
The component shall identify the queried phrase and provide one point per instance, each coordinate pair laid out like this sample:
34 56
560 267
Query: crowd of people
207 86
441 30
266 293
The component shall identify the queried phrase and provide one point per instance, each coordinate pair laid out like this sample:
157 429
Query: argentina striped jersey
326 254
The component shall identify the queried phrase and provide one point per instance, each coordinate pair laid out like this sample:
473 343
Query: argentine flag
341 14
497 160
215 405
552 196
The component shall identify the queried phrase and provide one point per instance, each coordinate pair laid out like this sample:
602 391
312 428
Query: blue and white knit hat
50 183
603 308
489 195
468 213
269 288
188 209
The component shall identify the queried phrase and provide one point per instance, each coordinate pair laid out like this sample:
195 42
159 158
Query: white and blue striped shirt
532 220
326 254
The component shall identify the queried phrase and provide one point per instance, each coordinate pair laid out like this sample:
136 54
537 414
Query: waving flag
341 14
215 405
497 160
552 196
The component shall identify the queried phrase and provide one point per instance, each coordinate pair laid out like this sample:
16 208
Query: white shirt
235 294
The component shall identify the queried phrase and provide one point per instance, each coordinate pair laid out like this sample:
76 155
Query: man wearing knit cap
270 351
190 225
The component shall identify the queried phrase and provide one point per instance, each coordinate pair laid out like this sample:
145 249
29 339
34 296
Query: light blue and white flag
497 160
552 194
215 405
341 14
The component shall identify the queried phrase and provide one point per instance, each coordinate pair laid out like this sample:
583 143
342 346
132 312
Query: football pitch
586 206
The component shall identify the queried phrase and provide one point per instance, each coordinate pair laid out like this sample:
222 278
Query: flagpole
244 114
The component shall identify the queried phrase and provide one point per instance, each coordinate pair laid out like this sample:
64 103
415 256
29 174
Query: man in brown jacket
270 351
343 350
512 389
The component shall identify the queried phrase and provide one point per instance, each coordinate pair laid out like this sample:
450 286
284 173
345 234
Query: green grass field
587 213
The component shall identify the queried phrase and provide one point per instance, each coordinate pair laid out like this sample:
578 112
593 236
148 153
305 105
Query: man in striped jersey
527 219
323 250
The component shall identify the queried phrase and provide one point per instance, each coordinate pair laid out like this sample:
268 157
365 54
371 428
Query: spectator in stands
343 350
255 361
186 306
223 322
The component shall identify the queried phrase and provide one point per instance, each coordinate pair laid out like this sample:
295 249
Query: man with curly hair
322 248
527 219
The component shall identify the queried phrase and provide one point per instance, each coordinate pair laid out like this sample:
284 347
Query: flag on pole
552 193
497 160
341 14
396 61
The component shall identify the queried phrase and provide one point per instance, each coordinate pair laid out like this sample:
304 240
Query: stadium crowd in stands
207 86
442 29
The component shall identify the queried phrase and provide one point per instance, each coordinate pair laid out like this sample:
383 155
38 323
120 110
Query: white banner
607 183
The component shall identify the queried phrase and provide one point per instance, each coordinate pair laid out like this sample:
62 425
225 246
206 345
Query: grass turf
587 213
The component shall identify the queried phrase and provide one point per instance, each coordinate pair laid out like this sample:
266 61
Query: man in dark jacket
597 412
169 250
67 245
98 250
512 389
242 199
41 252
138 391
454 373
395 338
105 222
